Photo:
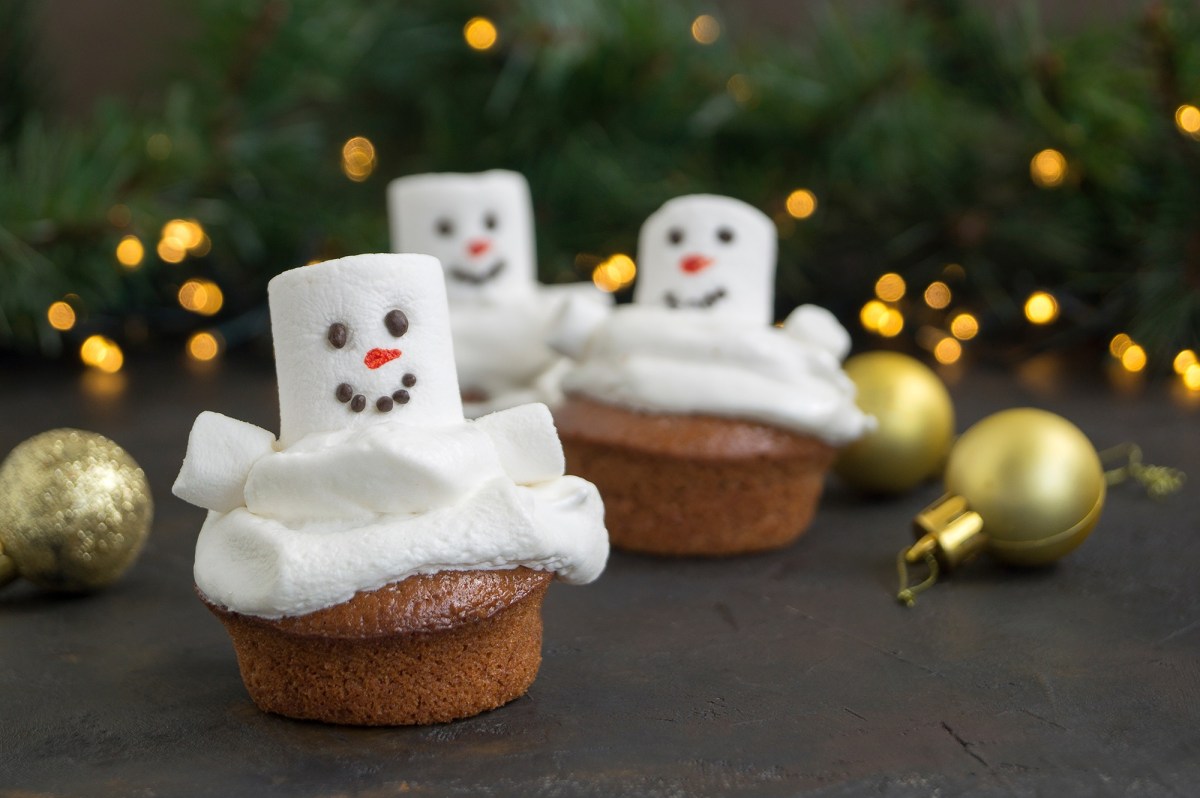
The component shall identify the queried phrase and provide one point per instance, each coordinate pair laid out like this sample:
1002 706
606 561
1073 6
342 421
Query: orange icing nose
479 246
377 357
694 263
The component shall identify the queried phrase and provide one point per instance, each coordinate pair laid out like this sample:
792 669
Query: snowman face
362 340
480 226
711 253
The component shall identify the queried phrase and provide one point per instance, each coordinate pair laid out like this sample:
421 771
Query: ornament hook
1159 481
908 594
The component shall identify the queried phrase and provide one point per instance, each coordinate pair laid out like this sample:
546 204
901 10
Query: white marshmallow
480 226
815 325
221 452
710 252
360 292
574 325
526 442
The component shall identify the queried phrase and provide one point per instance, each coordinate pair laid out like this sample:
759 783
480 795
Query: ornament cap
949 530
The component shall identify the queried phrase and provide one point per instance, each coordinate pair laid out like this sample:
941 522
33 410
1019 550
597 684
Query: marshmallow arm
220 454
527 443
574 324
817 326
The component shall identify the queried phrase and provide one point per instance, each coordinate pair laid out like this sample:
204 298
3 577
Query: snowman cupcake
480 226
707 430
383 561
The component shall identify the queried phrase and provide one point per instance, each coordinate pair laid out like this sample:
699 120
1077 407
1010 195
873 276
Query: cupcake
481 228
384 561
707 430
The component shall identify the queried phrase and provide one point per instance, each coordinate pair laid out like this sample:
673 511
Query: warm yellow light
358 158
1191 377
1048 168
937 295
1133 358
614 273
739 89
891 323
947 351
1184 360
706 29
61 316
480 33
201 296
171 249
102 353
964 326
1119 343
871 314
203 247
801 203
203 346
1187 119
130 252
1041 308
890 287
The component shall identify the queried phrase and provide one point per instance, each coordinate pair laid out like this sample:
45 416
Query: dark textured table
788 673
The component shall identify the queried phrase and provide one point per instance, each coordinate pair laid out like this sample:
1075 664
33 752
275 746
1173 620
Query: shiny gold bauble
75 510
916 424
1034 479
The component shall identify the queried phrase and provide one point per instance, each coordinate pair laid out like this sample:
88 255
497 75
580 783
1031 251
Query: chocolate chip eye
338 334
444 227
725 234
489 221
396 322
675 235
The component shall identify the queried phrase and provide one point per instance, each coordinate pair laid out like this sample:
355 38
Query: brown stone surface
694 485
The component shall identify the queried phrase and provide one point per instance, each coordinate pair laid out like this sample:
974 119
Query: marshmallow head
708 252
360 341
480 226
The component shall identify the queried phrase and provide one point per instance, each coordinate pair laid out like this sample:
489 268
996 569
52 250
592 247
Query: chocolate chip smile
464 276
707 301
346 394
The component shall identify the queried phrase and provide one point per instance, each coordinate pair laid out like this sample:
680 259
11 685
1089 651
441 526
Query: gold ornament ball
916 424
75 510
1035 480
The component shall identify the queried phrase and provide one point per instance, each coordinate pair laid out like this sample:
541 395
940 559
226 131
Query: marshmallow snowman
708 252
480 226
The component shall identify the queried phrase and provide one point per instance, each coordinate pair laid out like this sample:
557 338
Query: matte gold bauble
1024 485
915 418
75 510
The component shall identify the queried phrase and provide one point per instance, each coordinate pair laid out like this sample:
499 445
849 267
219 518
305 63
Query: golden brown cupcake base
426 649
685 485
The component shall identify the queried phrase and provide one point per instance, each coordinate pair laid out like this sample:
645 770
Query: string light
171 250
739 89
102 353
201 296
1133 358
358 158
938 295
61 316
706 29
801 203
130 252
614 273
1048 168
480 33
964 326
204 346
891 323
1041 308
947 351
890 287
1187 119
1119 343
871 314
1191 377
1184 361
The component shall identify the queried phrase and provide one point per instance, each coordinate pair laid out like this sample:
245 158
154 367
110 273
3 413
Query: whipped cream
686 361
355 509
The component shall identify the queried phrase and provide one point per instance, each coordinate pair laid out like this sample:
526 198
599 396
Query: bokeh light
204 346
739 88
1184 361
480 33
1119 343
706 29
801 203
871 313
947 351
1191 377
358 158
61 316
614 273
158 146
891 323
1133 358
130 252
102 353
1041 308
938 295
964 326
1048 168
890 287
1187 119
201 296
